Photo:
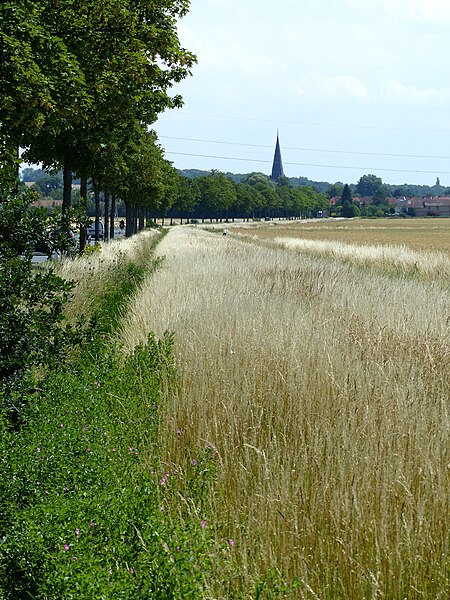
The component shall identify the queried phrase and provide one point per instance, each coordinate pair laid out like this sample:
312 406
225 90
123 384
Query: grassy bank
84 496
319 388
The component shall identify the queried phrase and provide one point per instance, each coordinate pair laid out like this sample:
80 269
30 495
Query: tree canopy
84 77
368 185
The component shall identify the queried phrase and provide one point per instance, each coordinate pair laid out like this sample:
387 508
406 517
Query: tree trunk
97 210
83 195
135 219
141 218
129 219
113 214
67 185
106 227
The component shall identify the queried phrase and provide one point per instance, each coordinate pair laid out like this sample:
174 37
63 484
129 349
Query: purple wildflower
66 547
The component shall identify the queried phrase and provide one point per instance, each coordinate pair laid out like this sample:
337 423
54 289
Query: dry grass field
415 234
321 389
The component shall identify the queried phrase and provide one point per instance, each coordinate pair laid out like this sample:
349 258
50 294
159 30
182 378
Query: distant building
427 206
277 167
434 206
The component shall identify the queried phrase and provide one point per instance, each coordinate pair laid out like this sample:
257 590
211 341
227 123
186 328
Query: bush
32 334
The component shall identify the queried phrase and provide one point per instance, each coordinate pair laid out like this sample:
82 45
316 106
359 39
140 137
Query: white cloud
411 95
341 86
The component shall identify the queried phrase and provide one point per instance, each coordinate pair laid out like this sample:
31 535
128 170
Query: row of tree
81 82
213 195
216 196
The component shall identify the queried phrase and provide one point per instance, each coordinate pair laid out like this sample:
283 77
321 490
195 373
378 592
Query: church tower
277 167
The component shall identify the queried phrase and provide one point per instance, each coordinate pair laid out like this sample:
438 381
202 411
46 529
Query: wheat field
320 386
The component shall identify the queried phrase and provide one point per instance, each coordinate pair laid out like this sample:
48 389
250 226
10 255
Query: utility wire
170 137
371 169
278 121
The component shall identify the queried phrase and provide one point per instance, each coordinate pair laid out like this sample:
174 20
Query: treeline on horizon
49 182
335 189
213 195
196 194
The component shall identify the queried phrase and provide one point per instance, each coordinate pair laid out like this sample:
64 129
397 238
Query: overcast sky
345 82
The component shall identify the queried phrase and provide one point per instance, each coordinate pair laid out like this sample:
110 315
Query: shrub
31 303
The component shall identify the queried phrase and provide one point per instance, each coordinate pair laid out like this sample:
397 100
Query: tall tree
368 185
122 59
146 179
187 197
37 74
249 201
267 189
348 209
217 194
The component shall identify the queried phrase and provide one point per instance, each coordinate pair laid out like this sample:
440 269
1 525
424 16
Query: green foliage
368 185
31 302
84 511
84 497
217 193
187 195
148 179
335 190
49 183
80 81
348 209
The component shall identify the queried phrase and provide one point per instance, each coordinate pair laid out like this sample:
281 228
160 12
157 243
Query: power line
278 121
169 137
307 164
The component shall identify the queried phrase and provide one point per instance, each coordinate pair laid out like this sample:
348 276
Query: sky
353 87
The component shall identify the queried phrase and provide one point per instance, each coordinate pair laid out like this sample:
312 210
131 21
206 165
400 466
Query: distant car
91 231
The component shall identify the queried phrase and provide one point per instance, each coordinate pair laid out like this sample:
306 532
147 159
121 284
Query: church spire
277 167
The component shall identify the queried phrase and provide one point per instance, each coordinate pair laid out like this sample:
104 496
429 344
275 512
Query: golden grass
417 234
323 391
400 259
91 271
